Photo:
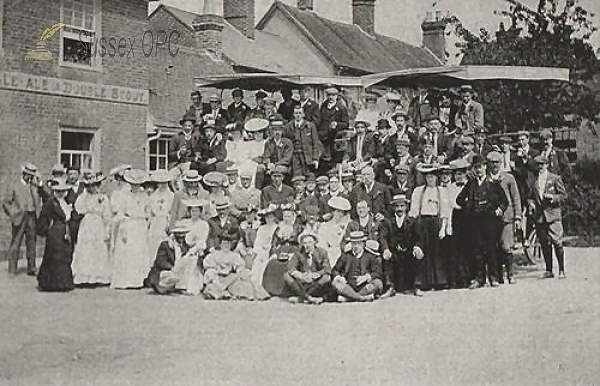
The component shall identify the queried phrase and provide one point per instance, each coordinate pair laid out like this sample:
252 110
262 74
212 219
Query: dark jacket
164 261
312 112
216 230
279 154
378 198
305 140
191 147
270 195
350 267
337 114
485 198
320 264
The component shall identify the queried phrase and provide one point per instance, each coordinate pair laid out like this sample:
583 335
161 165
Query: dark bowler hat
478 159
237 92
466 88
261 94
383 123
188 117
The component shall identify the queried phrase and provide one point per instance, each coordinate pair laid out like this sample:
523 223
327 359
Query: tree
551 36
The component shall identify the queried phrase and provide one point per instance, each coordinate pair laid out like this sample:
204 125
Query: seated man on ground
357 274
309 273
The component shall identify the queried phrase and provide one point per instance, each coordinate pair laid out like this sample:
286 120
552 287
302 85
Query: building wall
280 25
38 98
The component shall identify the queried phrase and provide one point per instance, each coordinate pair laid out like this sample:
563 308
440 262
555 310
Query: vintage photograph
299 192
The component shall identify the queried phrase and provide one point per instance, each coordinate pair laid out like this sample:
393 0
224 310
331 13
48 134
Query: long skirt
237 285
55 271
157 233
190 278
272 280
132 260
91 264
430 271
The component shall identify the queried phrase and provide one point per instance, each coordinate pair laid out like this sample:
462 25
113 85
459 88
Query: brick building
79 108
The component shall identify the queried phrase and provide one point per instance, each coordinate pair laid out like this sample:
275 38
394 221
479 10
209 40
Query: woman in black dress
55 272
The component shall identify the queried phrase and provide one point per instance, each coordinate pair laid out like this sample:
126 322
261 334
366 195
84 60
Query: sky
402 18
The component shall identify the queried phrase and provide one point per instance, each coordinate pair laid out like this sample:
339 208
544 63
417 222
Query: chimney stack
363 15
306 5
434 34
240 14
208 28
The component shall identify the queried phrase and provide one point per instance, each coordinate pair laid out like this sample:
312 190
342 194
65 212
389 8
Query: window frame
94 146
164 138
74 32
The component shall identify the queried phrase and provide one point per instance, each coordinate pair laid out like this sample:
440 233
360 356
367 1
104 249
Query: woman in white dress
331 233
160 202
215 182
116 202
132 259
262 243
91 263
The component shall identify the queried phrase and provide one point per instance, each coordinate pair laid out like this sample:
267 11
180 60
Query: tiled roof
349 46
266 52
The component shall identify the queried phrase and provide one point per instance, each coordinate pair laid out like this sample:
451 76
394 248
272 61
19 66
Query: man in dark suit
22 204
309 271
421 108
524 170
277 193
547 194
211 149
307 146
362 146
485 203
376 194
482 146
184 146
237 111
221 223
260 111
401 181
219 114
286 108
334 117
310 107
470 113
403 246
357 274
198 109
277 151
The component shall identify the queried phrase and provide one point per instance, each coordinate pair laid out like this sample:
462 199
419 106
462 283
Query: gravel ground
531 333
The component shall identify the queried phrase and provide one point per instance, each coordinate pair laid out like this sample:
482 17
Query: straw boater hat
322 180
136 176
372 247
195 203
222 203
402 168
59 168
191 176
256 124
180 227
214 98
30 169
120 169
357 236
399 198
362 118
307 233
215 179
61 186
459 164
339 203
161 176
494 156
424 168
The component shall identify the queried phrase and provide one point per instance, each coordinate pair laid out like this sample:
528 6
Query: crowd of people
398 201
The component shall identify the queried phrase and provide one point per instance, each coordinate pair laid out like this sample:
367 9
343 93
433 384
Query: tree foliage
556 34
